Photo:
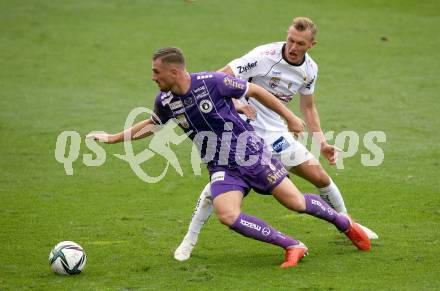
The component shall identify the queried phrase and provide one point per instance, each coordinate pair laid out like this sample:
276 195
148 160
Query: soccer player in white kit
284 69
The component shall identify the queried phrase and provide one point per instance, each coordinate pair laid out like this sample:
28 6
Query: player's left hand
100 136
330 152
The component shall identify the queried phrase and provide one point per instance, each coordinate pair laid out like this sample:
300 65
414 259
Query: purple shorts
262 178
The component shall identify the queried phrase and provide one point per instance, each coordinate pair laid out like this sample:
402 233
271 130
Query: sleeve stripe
247 89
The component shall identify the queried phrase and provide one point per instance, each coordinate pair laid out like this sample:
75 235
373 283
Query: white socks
333 197
200 215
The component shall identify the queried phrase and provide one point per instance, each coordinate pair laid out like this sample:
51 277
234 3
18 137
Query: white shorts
289 151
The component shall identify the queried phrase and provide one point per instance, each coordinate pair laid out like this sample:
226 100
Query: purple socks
258 229
319 208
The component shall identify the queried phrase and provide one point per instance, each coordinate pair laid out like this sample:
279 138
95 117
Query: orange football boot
293 255
358 236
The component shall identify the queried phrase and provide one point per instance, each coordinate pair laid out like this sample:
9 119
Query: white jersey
266 67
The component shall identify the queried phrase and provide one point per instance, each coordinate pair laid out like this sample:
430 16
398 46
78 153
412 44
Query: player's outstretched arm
311 116
140 130
294 123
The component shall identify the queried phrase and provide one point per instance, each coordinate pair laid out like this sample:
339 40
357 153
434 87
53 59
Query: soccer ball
67 258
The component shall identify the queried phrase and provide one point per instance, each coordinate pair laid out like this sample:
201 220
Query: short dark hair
170 55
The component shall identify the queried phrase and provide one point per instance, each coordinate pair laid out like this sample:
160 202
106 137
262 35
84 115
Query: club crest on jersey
205 106
188 101
181 119
274 82
309 84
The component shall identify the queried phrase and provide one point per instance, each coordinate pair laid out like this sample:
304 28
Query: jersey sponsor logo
200 92
205 106
202 77
176 105
218 176
276 73
280 145
250 224
309 84
166 98
319 204
282 97
330 211
176 112
199 89
247 67
274 82
188 101
233 83
272 167
268 53
182 121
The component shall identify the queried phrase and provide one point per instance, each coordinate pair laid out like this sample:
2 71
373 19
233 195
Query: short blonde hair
304 24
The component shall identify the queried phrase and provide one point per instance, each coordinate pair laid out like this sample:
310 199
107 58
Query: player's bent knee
227 206
321 179
297 204
227 218
324 181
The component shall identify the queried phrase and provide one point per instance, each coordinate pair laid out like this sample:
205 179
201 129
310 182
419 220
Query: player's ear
314 42
174 71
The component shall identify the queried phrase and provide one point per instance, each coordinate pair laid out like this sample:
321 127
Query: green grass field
83 65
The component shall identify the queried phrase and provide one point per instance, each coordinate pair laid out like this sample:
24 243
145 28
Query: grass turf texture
83 65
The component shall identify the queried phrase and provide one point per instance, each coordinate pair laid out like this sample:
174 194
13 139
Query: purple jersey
207 109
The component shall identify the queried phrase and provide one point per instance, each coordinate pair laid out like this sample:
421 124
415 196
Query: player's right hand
246 109
100 136
249 111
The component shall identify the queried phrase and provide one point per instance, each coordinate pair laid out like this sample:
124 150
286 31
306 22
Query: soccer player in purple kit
201 104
